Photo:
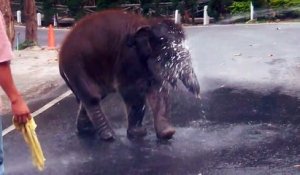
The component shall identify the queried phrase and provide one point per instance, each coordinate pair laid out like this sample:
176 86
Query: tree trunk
9 19
30 21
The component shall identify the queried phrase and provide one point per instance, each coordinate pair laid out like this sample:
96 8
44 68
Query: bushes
278 3
76 8
284 3
285 8
103 4
26 44
260 3
240 7
219 8
48 10
294 3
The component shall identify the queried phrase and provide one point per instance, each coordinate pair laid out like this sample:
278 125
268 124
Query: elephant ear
140 40
142 31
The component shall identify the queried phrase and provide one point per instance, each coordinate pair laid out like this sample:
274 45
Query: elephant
139 58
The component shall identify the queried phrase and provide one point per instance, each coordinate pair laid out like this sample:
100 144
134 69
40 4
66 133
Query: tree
30 22
5 8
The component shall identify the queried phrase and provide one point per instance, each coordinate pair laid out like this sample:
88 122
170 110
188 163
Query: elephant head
161 45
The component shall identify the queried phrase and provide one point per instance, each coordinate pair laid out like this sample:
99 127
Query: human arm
19 107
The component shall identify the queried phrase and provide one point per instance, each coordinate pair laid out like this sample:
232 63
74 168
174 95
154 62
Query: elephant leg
135 103
89 94
158 101
83 122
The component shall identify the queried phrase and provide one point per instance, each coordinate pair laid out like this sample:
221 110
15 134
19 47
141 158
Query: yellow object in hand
30 137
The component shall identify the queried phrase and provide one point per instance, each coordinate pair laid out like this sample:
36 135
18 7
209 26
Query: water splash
175 59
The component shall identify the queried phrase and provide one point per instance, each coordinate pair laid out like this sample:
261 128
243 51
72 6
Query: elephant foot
165 133
136 132
106 134
164 130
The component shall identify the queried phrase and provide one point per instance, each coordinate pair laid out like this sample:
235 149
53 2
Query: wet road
247 121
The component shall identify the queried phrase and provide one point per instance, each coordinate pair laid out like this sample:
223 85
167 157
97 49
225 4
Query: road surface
246 123
42 35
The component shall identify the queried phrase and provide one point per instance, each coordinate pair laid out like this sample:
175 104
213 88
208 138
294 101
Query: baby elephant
114 51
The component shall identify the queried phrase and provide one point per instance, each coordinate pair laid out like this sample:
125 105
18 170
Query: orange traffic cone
51 37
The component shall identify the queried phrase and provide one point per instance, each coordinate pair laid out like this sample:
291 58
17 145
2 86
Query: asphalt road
42 35
246 123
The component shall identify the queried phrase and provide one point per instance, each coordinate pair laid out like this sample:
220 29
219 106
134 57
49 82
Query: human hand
20 110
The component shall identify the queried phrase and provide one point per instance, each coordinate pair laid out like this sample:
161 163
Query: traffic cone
51 37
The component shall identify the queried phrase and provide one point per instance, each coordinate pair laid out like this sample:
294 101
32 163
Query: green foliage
146 5
26 44
191 5
294 3
153 8
285 8
219 8
276 4
239 7
76 8
260 3
177 6
279 3
48 11
104 4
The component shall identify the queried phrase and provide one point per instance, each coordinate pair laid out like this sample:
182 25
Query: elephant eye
157 42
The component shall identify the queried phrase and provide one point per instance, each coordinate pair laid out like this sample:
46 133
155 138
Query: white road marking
41 110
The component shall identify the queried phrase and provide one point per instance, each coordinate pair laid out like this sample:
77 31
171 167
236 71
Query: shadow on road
230 131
